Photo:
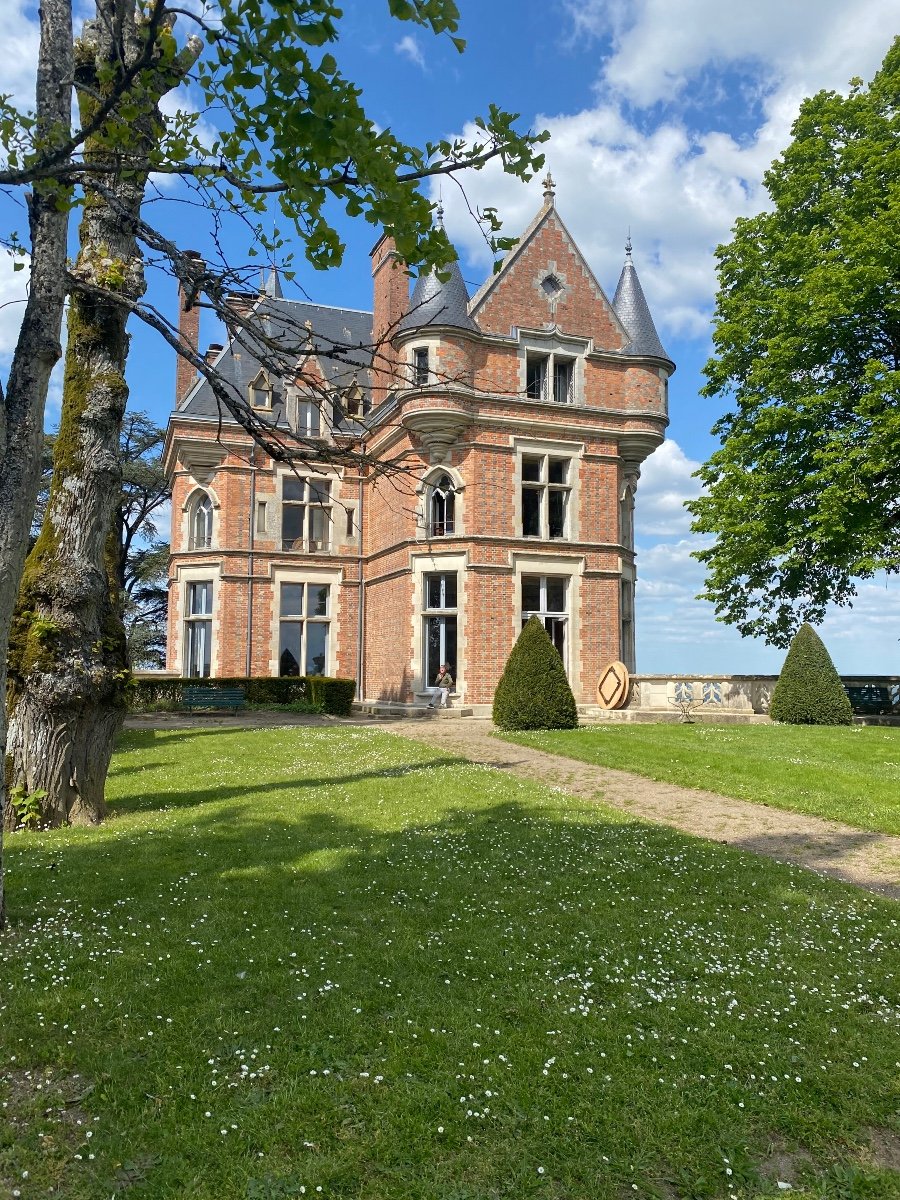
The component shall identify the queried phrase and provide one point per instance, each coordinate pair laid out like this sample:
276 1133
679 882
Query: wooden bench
212 697
870 698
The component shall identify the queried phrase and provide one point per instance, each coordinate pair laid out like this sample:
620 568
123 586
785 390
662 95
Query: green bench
870 698
212 697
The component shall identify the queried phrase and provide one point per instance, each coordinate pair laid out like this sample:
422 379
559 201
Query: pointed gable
546 281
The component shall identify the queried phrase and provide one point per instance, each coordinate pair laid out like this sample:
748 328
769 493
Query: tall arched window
202 523
441 505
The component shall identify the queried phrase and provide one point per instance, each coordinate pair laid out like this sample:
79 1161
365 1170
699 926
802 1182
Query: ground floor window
439 606
198 630
304 628
544 597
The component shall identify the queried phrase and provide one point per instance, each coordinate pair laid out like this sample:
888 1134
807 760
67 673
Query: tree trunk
37 350
67 663
68 669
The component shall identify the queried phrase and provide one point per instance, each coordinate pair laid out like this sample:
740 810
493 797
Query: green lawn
328 962
849 774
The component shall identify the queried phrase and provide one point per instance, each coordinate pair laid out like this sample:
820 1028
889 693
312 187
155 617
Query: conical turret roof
436 302
631 308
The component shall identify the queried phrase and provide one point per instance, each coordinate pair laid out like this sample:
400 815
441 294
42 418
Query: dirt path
869 860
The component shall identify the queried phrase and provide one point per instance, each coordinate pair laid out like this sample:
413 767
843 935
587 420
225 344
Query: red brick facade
565 550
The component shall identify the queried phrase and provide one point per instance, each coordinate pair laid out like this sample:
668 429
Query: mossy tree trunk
37 348
68 665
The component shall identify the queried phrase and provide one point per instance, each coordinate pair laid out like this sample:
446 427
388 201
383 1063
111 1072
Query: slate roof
345 332
439 303
630 306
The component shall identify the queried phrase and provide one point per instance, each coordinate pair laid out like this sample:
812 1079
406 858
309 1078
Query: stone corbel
634 447
438 430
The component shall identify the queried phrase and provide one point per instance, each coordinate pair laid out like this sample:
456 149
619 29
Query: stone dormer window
551 365
261 392
353 401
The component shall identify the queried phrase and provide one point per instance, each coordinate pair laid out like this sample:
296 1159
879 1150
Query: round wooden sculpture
612 687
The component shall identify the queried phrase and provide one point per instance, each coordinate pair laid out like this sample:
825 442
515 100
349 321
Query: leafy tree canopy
803 496
289 126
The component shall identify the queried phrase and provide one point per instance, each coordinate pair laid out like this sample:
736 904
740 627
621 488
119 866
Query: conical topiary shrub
809 690
533 692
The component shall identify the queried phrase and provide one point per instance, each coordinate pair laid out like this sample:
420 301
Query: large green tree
291 126
803 497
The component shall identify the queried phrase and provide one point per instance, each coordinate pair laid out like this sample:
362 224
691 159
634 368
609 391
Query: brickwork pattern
480 384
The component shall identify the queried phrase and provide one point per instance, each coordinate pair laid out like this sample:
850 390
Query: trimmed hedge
334 695
809 690
533 692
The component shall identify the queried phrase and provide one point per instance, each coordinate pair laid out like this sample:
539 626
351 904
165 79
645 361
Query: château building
509 431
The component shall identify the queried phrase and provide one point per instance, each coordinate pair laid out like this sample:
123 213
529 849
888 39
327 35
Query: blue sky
664 115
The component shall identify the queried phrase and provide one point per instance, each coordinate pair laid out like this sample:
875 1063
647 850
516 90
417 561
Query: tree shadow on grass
186 798
826 853
484 915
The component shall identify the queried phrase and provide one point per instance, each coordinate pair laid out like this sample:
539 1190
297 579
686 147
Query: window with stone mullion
544 597
439 604
198 630
545 497
304 627
549 377
305 514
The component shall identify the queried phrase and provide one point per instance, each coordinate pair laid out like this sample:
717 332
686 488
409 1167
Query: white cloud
666 484
21 38
13 295
409 48
678 633
677 192
661 47
673 175
162 519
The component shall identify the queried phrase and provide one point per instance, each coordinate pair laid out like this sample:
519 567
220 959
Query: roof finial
549 188
439 211
628 243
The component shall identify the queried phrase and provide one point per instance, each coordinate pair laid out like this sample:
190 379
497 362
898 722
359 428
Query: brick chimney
188 334
390 302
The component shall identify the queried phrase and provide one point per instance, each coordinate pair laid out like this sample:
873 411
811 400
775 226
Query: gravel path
868 860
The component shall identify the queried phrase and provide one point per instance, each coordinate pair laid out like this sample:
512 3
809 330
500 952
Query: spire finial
439 212
549 188
628 243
